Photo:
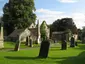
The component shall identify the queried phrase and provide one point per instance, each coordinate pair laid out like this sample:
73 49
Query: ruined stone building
32 31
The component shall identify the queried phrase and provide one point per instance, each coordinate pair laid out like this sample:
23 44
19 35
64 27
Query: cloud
46 11
1 12
78 18
49 16
68 1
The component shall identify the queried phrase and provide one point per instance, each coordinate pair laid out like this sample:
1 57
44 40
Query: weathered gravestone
44 49
72 43
31 43
64 43
27 41
17 46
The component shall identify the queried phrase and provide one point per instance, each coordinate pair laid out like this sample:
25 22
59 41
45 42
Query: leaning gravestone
72 43
17 46
44 49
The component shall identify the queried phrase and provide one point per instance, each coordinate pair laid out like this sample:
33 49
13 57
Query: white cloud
68 1
46 11
79 18
49 15
1 12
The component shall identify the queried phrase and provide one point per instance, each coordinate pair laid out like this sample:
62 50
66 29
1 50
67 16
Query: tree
18 13
62 24
43 30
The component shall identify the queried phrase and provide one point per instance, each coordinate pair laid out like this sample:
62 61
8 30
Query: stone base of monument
44 49
1 44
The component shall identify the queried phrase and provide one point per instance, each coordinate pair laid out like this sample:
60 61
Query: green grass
29 55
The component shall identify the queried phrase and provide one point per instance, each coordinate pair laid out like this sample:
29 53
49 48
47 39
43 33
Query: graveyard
29 55
31 34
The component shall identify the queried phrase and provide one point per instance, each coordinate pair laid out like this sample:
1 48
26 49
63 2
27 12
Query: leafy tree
18 13
43 30
63 25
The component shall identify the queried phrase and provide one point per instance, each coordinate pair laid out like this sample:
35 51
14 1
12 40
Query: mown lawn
29 55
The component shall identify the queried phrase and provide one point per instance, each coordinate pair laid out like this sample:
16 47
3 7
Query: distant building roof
59 32
33 31
16 33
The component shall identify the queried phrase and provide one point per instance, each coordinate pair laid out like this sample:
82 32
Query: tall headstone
44 49
1 37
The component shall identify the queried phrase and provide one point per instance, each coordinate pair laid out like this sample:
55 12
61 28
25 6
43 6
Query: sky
51 10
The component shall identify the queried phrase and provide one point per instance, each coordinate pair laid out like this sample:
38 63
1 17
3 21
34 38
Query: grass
29 55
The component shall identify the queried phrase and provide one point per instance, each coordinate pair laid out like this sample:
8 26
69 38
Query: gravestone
44 49
17 46
72 43
31 43
64 43
27 41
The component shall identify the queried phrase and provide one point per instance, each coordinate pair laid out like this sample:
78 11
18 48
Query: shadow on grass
81 47
55 48
23 58
7 49
80 59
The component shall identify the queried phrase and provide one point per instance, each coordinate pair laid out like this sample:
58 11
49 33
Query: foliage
18 13
43 28
63 25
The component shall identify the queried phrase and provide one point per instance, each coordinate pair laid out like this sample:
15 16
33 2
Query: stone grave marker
44 49
72 43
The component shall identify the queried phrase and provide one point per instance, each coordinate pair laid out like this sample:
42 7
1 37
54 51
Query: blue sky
51 10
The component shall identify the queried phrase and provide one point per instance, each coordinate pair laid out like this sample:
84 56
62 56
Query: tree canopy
63 25
18 13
